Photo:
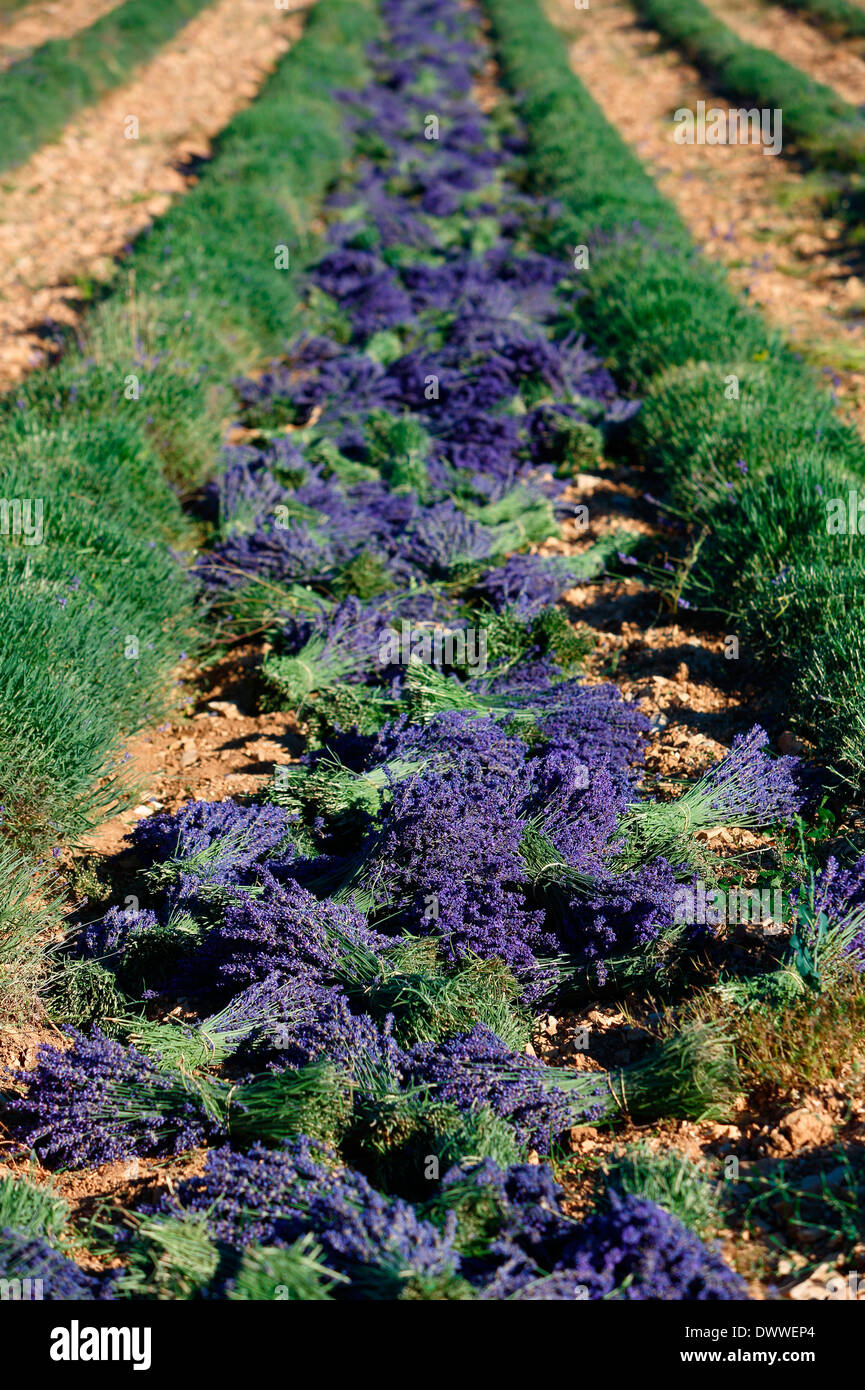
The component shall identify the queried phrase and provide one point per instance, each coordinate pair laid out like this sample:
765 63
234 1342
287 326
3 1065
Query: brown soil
674 666
69 211
758 216
216 748
806 1131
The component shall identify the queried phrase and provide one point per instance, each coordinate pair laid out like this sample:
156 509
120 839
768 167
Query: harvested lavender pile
356 960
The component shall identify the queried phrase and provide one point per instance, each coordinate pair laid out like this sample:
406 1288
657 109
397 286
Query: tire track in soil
757 215
69 211
39 23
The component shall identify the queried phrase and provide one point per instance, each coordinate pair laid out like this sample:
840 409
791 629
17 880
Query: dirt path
835 62
36 24
70 209
758 216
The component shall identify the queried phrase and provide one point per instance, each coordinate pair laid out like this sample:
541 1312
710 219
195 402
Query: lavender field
433 700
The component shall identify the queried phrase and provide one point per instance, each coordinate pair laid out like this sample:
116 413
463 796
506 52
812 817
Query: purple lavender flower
621 913
110 936
646 1253
26 1257
477 1069
275 1196
631 1249
448 859
218 840
98 1101
528 583
285 931
838 895
748 786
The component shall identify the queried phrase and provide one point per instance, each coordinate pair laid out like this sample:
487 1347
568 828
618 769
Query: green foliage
840 18
404 1141
691 1075
790 1038
288 1273
667 1177
826 127
32 1210
365 575
428 1002
82 994
567 645
106 467
342 706
272 1107
398 446
822 1210
169 1257
29 916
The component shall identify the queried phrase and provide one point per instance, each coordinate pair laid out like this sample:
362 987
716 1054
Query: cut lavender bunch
646 1253
267 1010
633 1249
409 986
517 1242
477 1069
210 841
330 789
29 1263
348 648
447 860
285 932
692 1076
378 1242
747 788
98 1101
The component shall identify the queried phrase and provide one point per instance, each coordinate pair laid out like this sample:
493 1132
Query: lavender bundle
691 1076
747 788
347 647
100 1101
378 1244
